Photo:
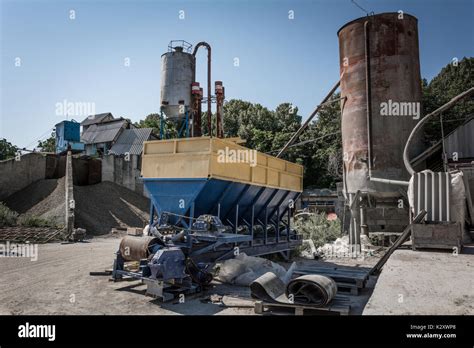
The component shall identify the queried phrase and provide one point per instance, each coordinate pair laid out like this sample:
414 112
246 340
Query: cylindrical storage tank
394 92
177 75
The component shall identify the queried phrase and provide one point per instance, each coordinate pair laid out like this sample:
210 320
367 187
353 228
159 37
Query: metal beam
310 118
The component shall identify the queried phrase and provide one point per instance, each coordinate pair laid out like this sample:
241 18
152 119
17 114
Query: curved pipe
445 107
209 112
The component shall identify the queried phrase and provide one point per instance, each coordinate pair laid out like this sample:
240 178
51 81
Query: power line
34 142
360 7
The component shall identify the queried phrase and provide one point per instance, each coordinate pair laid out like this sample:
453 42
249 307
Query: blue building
68 134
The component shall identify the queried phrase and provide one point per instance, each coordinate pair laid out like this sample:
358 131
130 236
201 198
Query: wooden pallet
340 305
347 279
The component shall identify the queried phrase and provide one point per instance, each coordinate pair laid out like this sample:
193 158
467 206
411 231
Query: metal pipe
444 156
221 129
364 228
441 109
390 182
368 97
196 92
219 92
199 113
209 111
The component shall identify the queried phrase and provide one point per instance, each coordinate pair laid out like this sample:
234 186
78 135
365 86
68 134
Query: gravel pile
106 205
99 208
43 198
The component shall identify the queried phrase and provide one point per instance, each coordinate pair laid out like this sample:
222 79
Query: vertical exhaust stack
220 96
196 92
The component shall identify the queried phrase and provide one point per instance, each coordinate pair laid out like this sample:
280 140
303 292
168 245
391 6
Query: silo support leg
354 229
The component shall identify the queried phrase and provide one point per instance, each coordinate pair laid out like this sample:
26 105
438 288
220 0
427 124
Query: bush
318 228
34 221
8 217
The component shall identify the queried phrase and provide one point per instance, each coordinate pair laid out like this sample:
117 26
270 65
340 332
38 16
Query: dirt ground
424 282
59 283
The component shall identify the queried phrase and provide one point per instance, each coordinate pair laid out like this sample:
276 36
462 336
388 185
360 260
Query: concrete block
134 231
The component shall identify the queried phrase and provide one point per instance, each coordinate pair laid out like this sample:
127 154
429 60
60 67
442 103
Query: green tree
48 145
268 131
452 80
261 128
7 150
153 121
321 151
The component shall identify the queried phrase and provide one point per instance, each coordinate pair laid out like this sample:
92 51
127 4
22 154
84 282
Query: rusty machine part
196 92
220 96
134 248
380 60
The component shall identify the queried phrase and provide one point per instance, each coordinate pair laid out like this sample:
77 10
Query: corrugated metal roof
93 119
131 141
102 132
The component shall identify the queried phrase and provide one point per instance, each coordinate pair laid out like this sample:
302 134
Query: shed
100 137
131 141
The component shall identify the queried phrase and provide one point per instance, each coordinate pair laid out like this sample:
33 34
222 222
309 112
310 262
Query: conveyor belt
312 289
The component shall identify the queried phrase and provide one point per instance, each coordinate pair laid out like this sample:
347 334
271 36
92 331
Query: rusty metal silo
380 60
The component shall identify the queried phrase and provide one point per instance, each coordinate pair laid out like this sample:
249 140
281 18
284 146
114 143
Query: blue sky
281 60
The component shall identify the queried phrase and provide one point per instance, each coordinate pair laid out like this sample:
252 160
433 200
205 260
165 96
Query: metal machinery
182 96
210 197
167 257
254 201
379 63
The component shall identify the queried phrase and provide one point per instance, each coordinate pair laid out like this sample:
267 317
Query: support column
354 229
